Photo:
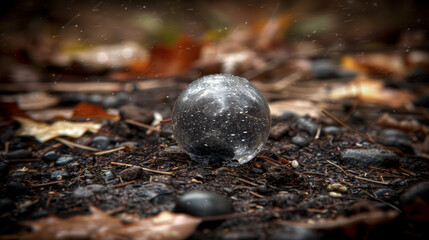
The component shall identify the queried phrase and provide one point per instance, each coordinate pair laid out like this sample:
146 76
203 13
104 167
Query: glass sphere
221 117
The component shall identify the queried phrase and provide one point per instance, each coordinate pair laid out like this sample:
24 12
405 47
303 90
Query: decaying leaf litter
346 156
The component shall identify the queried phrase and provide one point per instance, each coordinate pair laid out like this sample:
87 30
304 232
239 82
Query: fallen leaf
372 90
36 100
99 225
9 110
300 107
44 132
413 125
168 61
376 63
86 110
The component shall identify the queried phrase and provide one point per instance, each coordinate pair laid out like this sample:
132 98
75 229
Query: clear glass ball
221 117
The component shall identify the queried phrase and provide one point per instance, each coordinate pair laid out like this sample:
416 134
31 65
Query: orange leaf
170 61
88 110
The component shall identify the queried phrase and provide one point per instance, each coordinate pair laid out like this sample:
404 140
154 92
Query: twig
361 134
109 151
144 169
125 183
46 184
72 144
256 194
406 171
370 180
248 182
338 167
139 124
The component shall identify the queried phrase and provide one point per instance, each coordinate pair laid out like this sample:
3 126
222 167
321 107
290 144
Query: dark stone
6 205
137 114
300 141
294 233
324 69
256 170
331 130
4 169
19 154
367 157
110 101
59 175
51 156
108 175
88 191
100 142
308 126
64 159
387 133
95 98
415 202
14 189
152 190
262 189
131 173
386 194
287 115
203 204
422 101
73 98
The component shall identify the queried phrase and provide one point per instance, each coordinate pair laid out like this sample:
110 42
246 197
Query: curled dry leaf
413 125
372 90
99 225
44 132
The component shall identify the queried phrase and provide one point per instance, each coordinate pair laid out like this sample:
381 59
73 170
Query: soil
271 195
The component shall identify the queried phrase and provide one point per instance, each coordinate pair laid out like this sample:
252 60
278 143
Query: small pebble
110 101
335 194
64 159
262 189
59 175
300 141
331 130
95 98
100 142
18 154
131 173
203 204
51 156
337 187
108 175
294 233
308 126
366 157
130 144
88 191
256 170
152 190
294 164
386 193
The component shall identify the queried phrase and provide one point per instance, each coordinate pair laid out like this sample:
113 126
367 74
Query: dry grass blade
73 145
144 169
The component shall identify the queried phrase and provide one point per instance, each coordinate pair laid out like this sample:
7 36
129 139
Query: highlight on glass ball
221 118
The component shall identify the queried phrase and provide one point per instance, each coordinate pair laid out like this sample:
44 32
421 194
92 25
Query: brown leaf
87 110
99 225
388 121
170 60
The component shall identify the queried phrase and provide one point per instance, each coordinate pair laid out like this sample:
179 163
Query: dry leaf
170 61
372 90
376 63
44 132
99 226
300 107
36 100
388 121
86 110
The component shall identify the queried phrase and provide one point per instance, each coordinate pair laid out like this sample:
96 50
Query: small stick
46 184
109 151
144 169
406 171
370 180
139 124
72 144
256 194
125 183
248 182
338 167
166 120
